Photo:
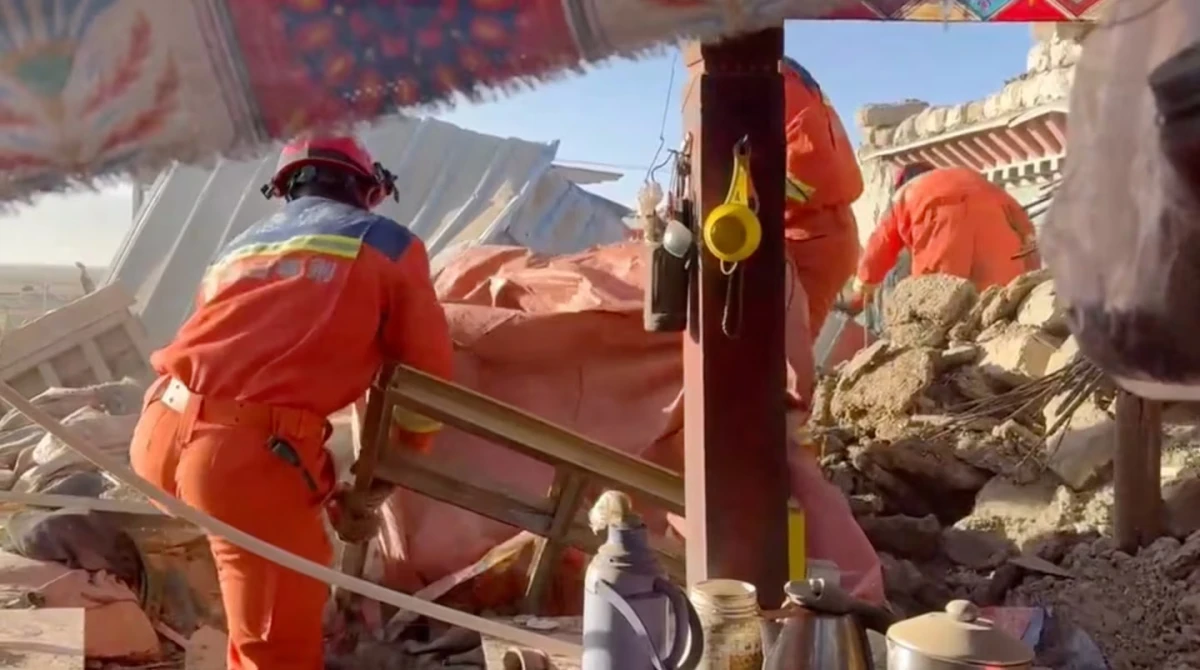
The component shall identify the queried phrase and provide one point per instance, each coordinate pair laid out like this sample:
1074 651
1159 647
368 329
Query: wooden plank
354 555
48 374
488 499
525 433
465 490
1137 488
96 360
29 340
137 334
1154 513
46 639
567 494
63 344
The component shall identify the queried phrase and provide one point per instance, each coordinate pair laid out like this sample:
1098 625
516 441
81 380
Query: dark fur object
77 539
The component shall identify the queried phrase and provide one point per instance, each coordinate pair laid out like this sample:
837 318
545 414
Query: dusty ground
28 291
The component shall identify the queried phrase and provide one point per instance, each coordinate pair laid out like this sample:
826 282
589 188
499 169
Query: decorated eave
1024 146
1017 136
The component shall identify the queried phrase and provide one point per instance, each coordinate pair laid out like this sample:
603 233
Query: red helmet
338 151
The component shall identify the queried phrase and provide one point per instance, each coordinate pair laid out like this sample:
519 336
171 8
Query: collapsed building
962 495
976 446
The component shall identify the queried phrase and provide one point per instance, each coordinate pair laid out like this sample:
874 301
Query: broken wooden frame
580 465
91 340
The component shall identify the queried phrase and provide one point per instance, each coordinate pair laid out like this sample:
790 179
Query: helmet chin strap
386 181
345 184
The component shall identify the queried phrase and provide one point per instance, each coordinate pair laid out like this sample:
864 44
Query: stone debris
1042 310
42 639
1084 446
1017 355
161 566
966 495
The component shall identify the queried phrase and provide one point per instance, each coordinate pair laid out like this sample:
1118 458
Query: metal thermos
634 618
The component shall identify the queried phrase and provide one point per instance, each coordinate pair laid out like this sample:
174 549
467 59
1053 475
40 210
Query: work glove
859 299
355 516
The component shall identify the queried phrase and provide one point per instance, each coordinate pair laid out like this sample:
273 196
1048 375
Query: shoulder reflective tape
331 245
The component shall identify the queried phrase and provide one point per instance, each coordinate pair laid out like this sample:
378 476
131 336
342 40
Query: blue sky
612 115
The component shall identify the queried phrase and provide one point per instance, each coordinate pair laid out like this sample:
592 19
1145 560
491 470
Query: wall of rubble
975 446
1050 67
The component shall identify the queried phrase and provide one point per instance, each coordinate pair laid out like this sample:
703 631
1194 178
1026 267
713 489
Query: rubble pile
125 570
975 446
32 461
961 388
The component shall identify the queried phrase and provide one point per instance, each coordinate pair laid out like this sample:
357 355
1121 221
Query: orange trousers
823 248
274 615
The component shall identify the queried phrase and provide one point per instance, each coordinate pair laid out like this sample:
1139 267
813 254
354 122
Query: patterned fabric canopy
95 87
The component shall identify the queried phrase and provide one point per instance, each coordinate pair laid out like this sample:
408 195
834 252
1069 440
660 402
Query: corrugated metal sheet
457 187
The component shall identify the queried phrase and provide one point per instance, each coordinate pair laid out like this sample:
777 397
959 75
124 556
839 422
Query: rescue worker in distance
823 181
953 221
293 321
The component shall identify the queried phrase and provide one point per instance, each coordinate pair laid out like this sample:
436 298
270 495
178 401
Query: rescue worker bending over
293 321
823 181
953 221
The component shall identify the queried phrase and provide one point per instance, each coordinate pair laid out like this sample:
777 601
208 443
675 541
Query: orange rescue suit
823 180
294 320
954 221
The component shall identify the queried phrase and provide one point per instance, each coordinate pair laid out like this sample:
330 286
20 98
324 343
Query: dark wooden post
735 455
1137 482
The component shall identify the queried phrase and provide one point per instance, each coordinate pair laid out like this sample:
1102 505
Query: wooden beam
1007 152
966 146
947 160
1001 138
1041 137
567 496
492 420
1137 489
997 158
1017 138
538 515
932 158
736 469
1057 125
